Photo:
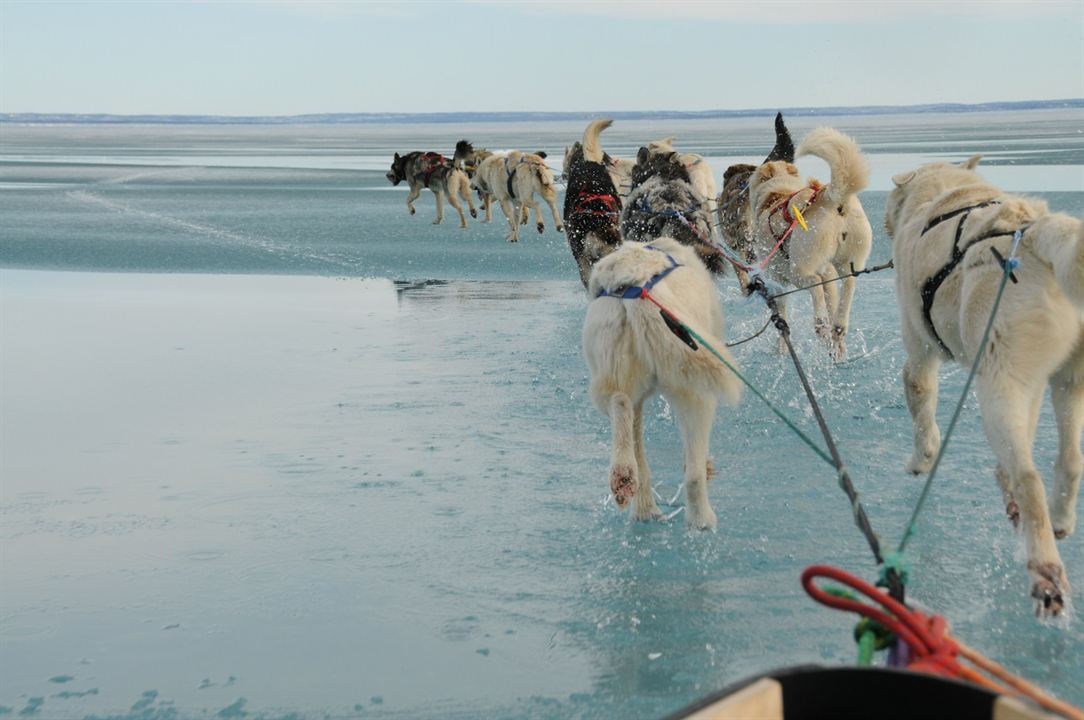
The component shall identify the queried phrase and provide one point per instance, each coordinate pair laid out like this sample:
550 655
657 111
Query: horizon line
512 115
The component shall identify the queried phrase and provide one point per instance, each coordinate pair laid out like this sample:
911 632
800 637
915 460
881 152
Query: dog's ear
971 162
396 156
765 172
903 178
541 154
642 155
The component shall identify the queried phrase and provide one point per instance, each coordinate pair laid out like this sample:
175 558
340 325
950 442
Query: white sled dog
944 221
513 179
632 354
839 234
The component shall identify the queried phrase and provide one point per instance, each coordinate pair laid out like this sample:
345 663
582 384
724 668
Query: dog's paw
560 228
1012 510
412 210
436 222
1063 519
473 213
702 519
622 484
920 464
541 228
1049 588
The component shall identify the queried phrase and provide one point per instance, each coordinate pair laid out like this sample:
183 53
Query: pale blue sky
286 58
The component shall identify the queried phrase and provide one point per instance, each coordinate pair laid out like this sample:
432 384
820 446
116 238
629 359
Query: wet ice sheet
289 494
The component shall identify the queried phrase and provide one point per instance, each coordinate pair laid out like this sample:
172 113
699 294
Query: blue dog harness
634 292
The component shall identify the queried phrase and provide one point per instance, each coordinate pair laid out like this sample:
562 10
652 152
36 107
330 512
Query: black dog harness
930 287
512 175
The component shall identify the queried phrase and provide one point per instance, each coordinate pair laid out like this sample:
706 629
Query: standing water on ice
279 449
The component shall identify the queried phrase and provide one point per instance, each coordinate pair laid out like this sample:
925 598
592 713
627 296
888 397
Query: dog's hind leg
511 212
821 322
463 186
1068 398
440 207
1009 414
644 506
842 317
830 277
550 196
920 385
454 202
623 464
532 204
696 413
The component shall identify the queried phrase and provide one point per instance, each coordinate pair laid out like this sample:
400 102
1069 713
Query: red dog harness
589 203
433 161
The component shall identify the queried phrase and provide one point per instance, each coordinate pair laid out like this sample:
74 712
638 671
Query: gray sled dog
732 205
513 179
434 171
632 354
838 235
944 221
700 174
664 203
592 201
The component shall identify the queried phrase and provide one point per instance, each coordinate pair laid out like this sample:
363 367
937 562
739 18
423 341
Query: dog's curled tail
1060 242
850 172
592 150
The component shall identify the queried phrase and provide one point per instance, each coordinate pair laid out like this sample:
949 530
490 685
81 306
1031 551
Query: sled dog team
654 225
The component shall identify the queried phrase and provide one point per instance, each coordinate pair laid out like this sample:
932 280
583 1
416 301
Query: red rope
933 649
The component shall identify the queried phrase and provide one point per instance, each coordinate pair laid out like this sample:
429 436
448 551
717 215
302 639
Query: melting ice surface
282 450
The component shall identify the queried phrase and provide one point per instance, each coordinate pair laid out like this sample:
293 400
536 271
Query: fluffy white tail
850 172
592 150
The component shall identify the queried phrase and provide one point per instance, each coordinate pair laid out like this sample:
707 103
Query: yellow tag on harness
798 216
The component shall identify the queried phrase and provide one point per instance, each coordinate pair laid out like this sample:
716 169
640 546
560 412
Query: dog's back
627 342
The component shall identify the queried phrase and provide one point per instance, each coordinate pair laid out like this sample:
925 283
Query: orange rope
1019 685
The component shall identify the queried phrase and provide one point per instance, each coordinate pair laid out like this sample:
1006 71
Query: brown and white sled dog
632 354
944 220
732 205
592 202
513 179
839 234
434 171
